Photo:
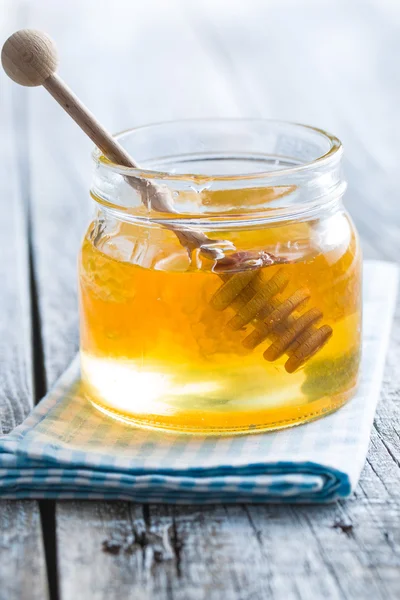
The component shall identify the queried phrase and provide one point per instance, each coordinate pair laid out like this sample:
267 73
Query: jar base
311 412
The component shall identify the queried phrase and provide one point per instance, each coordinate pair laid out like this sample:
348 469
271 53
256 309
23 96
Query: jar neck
312 210
242 172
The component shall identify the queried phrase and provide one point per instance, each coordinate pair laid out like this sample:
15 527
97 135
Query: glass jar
220 282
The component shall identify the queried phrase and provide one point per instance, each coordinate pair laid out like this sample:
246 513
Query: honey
160 350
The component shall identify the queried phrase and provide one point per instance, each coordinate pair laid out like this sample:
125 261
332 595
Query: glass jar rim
333 153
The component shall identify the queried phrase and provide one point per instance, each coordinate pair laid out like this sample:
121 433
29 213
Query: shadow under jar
263 337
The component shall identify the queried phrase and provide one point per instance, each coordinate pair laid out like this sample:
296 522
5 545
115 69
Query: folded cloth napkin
67 449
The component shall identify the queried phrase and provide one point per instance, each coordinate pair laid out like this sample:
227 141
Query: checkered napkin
67 449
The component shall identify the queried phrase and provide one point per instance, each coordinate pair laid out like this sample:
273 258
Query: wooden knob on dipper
29 57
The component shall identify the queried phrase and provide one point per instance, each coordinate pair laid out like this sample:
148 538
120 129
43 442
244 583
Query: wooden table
332 64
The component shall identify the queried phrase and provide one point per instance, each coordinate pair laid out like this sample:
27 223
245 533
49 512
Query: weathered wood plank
328 90
59 197
256 59
375 518
139 558
22 563
60 158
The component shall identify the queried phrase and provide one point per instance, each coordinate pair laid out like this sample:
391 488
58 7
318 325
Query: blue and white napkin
67 449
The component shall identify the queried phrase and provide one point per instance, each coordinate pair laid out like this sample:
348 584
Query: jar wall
160 348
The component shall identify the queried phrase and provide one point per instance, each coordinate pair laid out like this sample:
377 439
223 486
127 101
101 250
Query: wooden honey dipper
257 299
29 57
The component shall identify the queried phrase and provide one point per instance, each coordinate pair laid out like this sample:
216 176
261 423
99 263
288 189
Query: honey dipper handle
30 58
87 121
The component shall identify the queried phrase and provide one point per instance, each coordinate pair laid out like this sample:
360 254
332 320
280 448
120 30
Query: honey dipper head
29 57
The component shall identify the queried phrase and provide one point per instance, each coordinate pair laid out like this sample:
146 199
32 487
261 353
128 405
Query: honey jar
235 305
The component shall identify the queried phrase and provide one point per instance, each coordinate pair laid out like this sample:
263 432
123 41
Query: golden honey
157 350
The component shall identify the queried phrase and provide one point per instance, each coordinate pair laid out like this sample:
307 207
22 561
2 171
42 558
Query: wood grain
22 562
329 65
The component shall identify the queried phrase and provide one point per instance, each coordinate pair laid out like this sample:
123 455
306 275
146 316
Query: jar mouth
222 170
331 151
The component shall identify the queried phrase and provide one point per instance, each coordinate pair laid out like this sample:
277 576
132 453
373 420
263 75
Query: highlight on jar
220 282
